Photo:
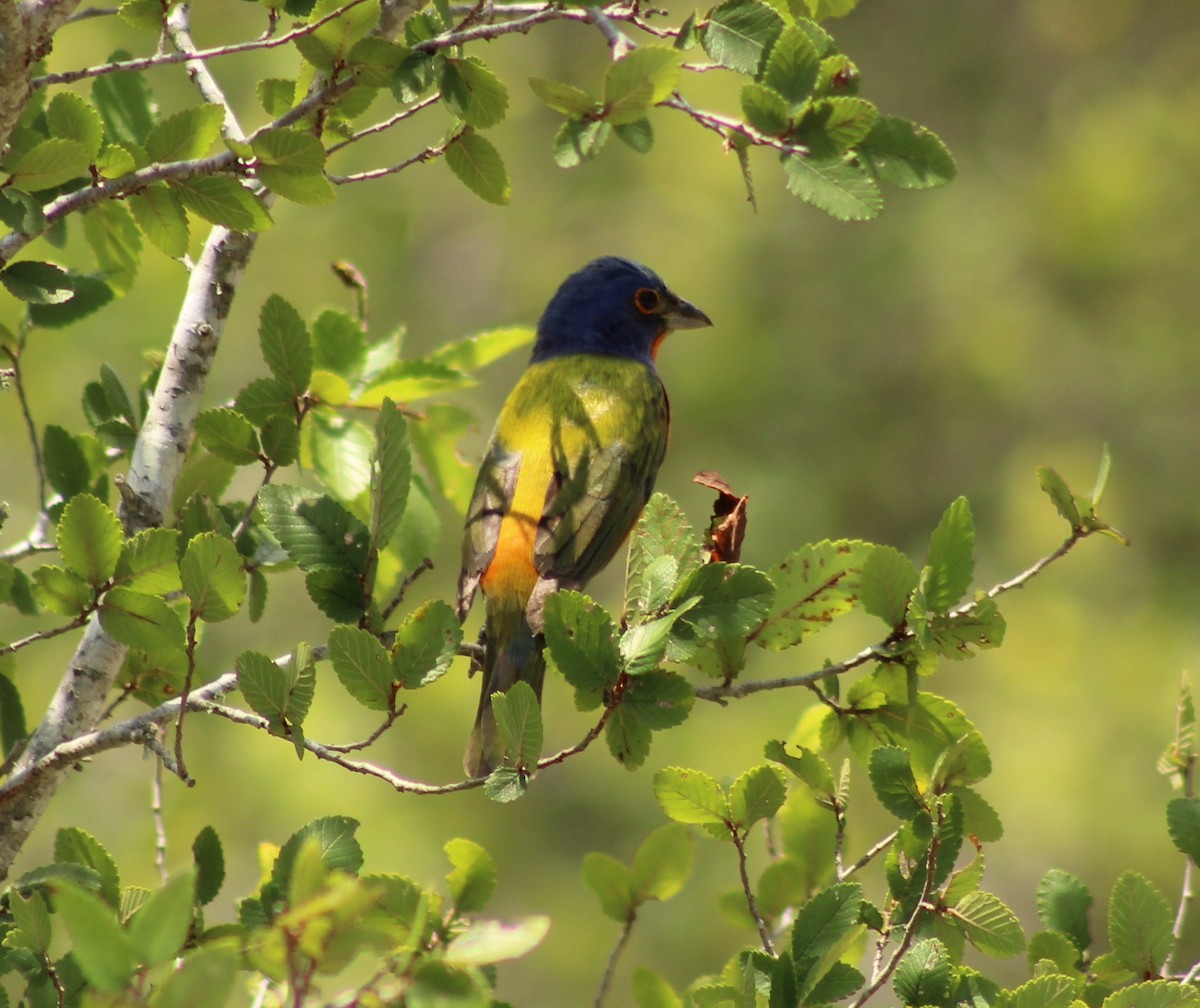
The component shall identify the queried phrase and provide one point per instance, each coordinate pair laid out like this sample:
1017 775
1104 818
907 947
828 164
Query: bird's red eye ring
646 300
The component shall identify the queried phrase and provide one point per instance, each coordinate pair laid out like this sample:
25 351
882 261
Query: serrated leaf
264 685
48 164
564 98
38 282
581 638
824 927
160 214
479 167
756 794
738 34
335 839
213 578
89 539
141 621
734 599
426 643
161 926
124 102
263 399
989 925
652 991
1154 994
1056 489
31 920
337 593
222 200
951 562
906 155
284 341
280 439
70 117
1183 825
506 784
577 140
102 950
473 92
339 451
210 865
691 797
61 591
473 879
391 474
519 721
73 845
638 81
765 109
1139 924
228 435
91 294
792 66
307 190
924 974
362 666
1049 991
841 188
405 381
331 43
808 766
115 241
637 135
205 979
186 135
315 530
662 532
894 784
814 585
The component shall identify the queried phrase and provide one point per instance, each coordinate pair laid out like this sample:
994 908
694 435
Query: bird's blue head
613 307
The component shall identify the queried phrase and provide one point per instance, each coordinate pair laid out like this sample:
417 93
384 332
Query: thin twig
160 827
868 857
613 956
392 717
425 565
41 635
165 59
387 124
739 842
428 154
178 28
39 465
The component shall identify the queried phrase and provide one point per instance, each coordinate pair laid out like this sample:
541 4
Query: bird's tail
514 654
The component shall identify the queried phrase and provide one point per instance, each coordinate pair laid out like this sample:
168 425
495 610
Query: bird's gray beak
684 315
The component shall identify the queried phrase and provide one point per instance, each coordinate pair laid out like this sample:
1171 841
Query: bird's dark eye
646 300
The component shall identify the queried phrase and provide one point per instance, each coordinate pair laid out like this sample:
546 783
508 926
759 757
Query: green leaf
292 163
340 851
49 164
577 140
13 728
212 575
1055 948
1183 825
339 450
102 950
793 66
405 381
263 399
90 539
564 98
205 979
473 93
1154 994
124 102
159 213
71 118
67 468
338 343
924 974
222 200
519 721
228 435
391 474
38 282
894 784
734 599
506 784
824 928
662 863
652 991
840 188
738 34
757 794
662 549
337 593
479 167
639 80
280 439
315 530
988 924
426 643
887 579
765 109
691 797
1056 489
264 685
73 845
814 585
1139 925
644 646
950 562
332 42
491 941
832 126
980 626
808 766
1049 991
362 666
116 243
657 699
91 294
142 621
61 591
32 922
610 881
638 135
186 135
473 879
285 345
908 156
210 865
581 638
979 818
276 95
161 926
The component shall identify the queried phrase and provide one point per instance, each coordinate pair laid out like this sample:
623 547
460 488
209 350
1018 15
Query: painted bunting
570 466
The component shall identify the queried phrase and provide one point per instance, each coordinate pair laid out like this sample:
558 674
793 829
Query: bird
569 468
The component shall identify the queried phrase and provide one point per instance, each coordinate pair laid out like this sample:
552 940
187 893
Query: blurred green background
857 379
